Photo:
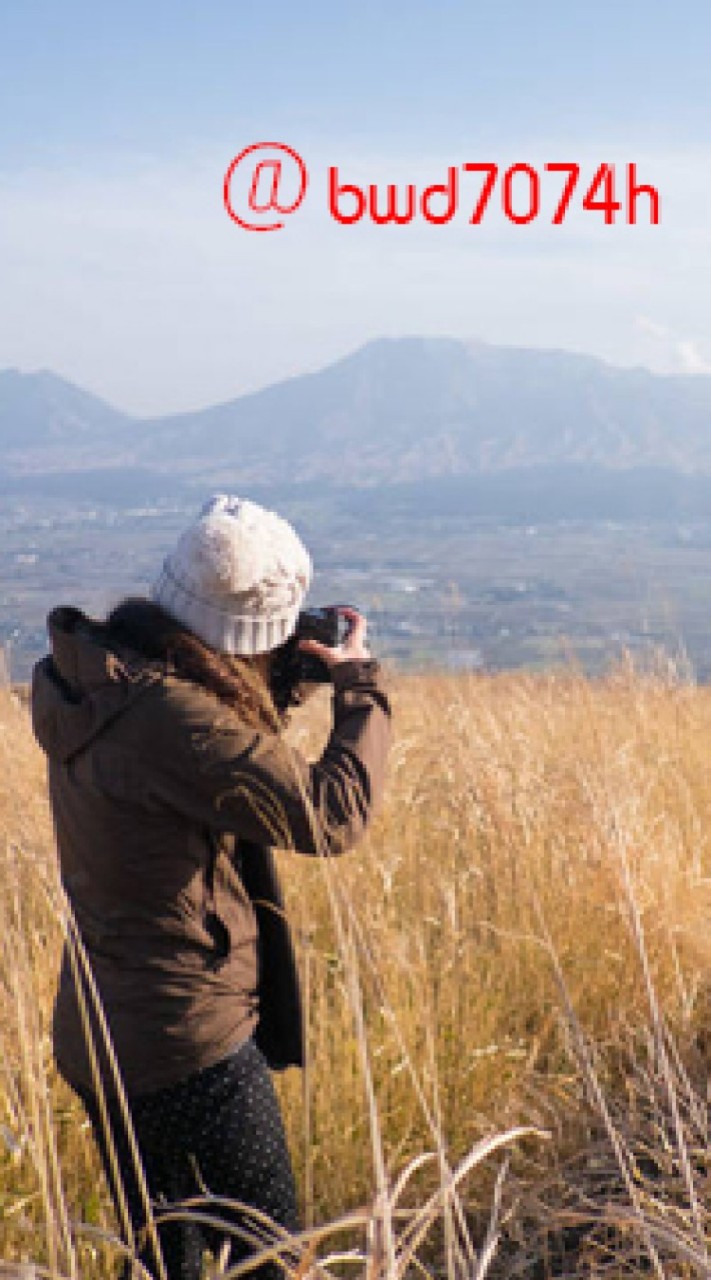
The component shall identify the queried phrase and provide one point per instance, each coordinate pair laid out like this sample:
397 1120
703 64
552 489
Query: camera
291 668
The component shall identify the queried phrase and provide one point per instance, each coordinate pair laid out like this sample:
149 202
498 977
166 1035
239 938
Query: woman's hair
147 628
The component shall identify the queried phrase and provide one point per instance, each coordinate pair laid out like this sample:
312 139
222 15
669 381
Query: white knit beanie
237 577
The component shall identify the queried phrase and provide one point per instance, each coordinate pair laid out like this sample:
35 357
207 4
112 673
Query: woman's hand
352 647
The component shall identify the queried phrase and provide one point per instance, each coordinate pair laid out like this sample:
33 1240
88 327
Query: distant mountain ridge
396 411
47 423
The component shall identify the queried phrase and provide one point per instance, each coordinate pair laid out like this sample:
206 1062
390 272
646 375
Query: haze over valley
486 506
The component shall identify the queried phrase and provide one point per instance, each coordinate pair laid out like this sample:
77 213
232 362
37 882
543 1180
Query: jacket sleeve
254 785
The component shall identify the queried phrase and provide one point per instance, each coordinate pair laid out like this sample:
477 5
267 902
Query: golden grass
477 963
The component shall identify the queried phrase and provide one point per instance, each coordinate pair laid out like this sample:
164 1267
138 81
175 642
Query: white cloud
690 358
683 353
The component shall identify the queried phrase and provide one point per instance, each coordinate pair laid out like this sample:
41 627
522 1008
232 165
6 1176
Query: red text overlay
266 184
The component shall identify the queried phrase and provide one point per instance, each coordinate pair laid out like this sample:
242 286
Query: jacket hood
81 686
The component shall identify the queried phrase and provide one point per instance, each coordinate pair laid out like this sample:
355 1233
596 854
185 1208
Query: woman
169 782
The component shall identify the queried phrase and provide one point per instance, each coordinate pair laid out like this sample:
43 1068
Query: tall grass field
507 992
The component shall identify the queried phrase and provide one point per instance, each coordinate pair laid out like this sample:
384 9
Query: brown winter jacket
165 807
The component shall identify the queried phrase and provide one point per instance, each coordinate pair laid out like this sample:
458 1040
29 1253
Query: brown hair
147 628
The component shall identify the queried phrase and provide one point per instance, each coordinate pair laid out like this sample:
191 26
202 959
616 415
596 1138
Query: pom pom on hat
237 577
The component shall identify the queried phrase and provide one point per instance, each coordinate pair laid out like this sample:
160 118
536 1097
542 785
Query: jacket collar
79 658
81 687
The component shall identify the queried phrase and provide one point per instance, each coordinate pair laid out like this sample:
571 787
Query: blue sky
121 271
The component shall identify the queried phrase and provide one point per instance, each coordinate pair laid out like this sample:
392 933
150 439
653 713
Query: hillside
524 932
47 422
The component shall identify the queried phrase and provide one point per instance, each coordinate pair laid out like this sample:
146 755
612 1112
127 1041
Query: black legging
219 1132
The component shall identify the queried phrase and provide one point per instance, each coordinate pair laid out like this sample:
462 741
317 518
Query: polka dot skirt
219 1134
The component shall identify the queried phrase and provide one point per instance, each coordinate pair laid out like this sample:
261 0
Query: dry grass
523 939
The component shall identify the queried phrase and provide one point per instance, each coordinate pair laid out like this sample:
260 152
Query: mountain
47 422
397 411
410 409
